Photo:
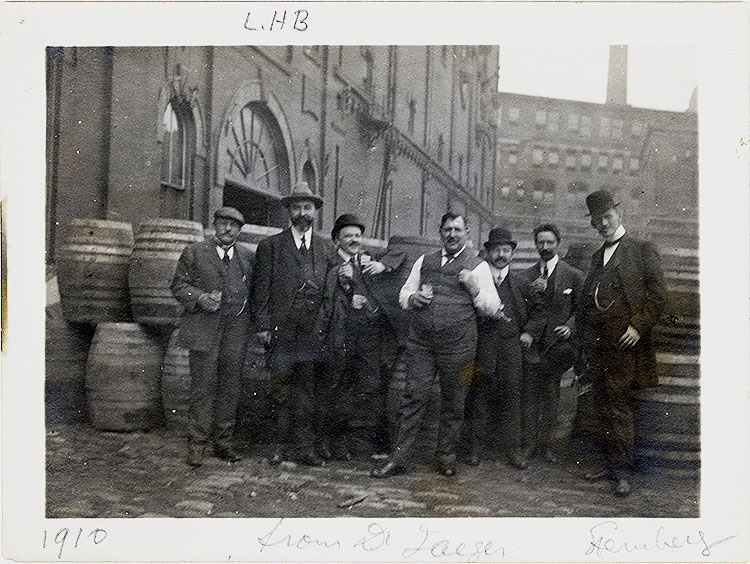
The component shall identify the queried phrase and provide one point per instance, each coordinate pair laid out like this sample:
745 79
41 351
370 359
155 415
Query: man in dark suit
355 327
213 281
290 274
499 379
444 291
623 298
559 286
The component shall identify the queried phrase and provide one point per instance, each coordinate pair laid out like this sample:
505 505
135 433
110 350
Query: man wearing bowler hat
290 275
444 292
500 377
213 281
355 328
623 298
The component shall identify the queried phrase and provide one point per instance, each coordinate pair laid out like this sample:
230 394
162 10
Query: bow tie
608 244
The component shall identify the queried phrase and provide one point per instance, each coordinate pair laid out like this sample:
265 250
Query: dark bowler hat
228 212
301 191
344 220
499 236
599 202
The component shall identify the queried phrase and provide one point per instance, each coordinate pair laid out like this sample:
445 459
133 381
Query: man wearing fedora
354 326
290 274
558 286
499 378
213 281
444 291
622 299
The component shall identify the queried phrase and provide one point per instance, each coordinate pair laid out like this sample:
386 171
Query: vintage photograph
374 281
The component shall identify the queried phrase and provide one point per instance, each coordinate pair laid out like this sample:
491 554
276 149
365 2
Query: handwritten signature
603 540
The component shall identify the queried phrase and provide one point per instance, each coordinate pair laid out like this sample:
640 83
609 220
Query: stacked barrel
108 277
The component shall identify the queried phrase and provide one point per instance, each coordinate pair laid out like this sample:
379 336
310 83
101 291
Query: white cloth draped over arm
412 284
486 301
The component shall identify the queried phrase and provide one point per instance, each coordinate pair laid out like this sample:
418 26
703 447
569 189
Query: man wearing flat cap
358 334
444 292
289 284
500 379
213 280
623 298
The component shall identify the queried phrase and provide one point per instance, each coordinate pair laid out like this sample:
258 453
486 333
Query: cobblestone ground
99 474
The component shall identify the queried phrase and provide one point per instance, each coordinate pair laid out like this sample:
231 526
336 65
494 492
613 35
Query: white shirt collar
445 253
344 255
297 234
618 233
229 251
501 273
551 264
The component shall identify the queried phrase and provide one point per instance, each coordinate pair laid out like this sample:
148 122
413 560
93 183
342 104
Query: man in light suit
558 286
213 281
290 275
355 326
622 299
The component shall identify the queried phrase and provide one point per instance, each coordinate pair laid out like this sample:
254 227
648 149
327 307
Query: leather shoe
597 475
447 471
390 469
228 453
276 459
195 455
549 456
310 459
517 460
623 488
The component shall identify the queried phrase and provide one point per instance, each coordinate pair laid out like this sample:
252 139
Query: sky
660 77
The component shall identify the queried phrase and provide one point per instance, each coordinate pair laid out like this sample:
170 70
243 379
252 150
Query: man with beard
499 378
559 286
213 281
355 327
622 299
290 274
444 291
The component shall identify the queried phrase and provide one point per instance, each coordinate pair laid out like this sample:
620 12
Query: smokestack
617 78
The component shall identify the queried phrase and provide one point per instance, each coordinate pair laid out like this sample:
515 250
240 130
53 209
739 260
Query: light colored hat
228 212
301 191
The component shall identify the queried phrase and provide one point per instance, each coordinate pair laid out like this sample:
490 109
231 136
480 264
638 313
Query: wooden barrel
175 385
92 267
122 378
158 245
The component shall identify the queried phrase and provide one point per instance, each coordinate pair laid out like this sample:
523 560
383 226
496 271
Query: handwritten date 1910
95 536
278 21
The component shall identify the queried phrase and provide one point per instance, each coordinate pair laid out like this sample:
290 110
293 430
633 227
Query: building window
637 129
505 190
369 63
537 156
412 113
514 114
634 165
553 158
460 168
553 123
617 164
573 122
586 126
541 117
604 127
603 162
586 161
570 160
513 158
578 187
617 128
178 158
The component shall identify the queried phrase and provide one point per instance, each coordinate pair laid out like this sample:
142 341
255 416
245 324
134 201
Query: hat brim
613 206
335 232
290 199
489 244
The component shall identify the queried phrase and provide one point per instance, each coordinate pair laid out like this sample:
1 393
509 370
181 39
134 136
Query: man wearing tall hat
500 382
558 286
213 280
444 292
290 275
355 328
623 298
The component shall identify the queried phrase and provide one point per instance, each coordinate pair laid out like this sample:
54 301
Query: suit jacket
278 278
337 303
560 310
637 269
200 270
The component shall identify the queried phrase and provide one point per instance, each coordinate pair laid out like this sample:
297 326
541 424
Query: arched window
178 159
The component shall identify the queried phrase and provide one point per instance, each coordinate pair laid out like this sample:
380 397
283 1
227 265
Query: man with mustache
622 299
558 286
358 335
444 291
290 275
213 281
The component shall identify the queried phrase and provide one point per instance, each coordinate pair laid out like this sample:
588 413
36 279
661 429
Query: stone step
668 458
669 442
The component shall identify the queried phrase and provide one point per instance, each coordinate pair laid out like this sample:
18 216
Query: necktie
608 244
545 272
225 259
302 247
